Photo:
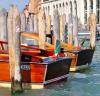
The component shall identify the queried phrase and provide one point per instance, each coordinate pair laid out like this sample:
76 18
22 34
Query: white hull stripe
79 67
25 85
55 79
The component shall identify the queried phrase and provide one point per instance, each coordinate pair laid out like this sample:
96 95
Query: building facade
33 6
81 8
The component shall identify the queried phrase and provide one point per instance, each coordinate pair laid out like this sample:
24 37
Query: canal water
84 83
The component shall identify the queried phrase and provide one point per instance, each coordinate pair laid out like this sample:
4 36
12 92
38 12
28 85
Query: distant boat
81 58
86 35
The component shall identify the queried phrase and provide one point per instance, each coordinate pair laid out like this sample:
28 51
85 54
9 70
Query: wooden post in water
35 23
75 31
3 25
42 29
31 28
31 23
23 25
35 27
14 26
70 29
92 29
62 27
48 27
23 21
56 26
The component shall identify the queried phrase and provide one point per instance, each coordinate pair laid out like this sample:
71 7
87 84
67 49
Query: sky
6 3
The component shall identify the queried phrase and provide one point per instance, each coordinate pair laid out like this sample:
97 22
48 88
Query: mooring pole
23 25
56 26
35 27
14 26
31 28
62 26
42 29
92 29
75 31
70 29
35 23
23 21
3 25
31 23
48 27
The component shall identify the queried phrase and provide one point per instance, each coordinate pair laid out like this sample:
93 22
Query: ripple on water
78 75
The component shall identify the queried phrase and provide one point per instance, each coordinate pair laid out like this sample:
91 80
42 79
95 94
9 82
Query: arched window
98 11
63 4
48 9
75 5
85 11
91 6
66 4
60 5
54 6
44 9
71 7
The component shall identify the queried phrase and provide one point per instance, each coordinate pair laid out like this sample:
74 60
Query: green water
85 83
